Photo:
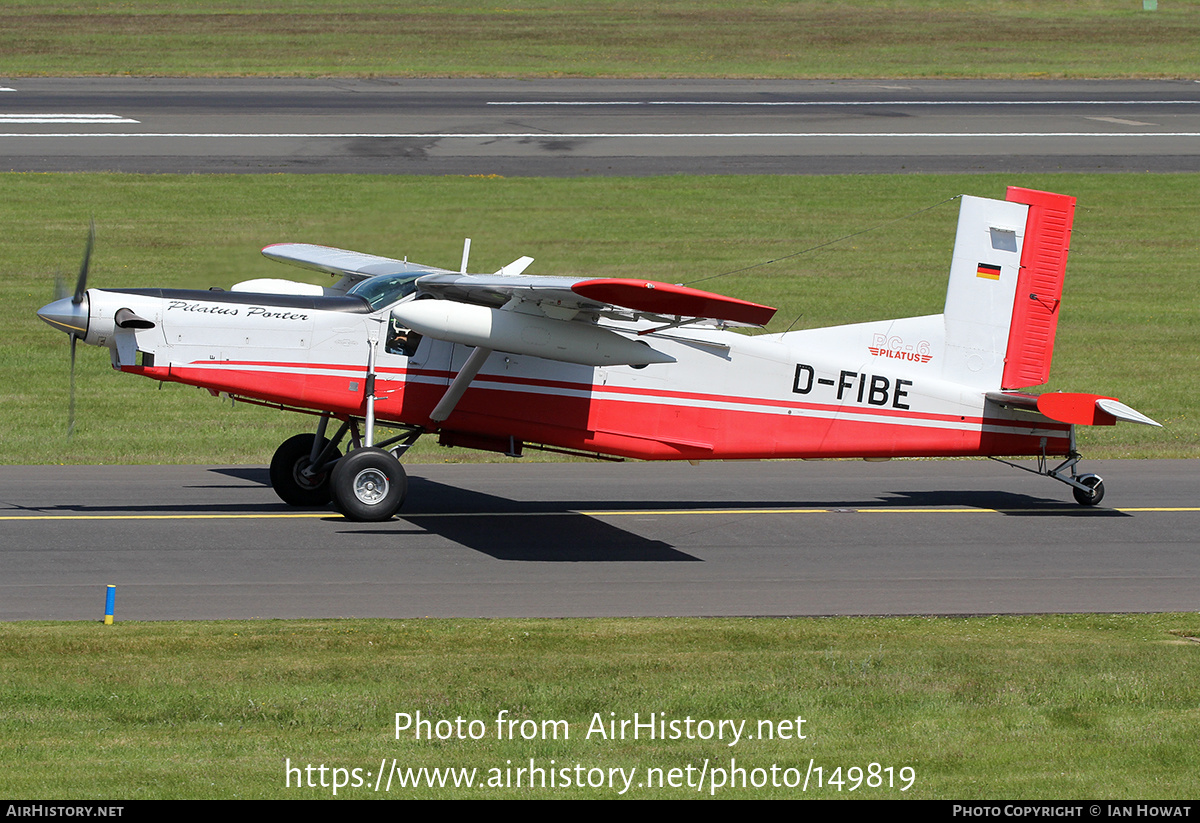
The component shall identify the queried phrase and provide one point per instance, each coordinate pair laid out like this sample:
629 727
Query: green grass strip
617 38
999 707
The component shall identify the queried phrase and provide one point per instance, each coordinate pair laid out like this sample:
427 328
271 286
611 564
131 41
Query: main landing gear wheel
1092 497
293 486
369 484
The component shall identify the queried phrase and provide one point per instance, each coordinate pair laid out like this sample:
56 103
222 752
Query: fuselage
865 390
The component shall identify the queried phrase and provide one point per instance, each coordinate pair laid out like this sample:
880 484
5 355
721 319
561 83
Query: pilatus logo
895 348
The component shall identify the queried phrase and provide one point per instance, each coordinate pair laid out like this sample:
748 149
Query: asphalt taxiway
574 127
559 540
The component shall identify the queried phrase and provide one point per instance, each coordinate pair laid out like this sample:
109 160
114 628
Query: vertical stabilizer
1039 287
1006 282
983 282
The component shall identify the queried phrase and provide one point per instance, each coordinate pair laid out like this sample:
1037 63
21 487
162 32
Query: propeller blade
71 406
81 283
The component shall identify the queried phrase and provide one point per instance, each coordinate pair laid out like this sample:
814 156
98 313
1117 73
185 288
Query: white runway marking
541 135
65 118
844 103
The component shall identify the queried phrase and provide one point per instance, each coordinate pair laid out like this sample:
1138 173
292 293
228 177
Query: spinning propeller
70 314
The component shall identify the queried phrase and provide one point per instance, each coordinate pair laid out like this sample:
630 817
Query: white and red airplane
626 368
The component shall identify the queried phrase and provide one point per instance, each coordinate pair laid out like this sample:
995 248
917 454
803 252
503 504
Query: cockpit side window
383 291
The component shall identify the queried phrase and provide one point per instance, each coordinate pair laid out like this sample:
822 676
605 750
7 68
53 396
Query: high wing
559 298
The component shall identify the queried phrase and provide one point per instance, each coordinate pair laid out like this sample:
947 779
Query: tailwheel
1094 492
292 473
369 484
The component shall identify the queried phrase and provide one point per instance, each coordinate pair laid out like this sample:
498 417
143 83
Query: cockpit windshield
385 290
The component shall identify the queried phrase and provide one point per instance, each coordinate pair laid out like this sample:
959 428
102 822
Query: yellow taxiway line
601 513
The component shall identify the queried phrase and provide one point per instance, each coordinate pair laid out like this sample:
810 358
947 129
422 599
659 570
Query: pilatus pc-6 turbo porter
614 367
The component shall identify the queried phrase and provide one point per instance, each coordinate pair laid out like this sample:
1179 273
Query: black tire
369 484
289 461
1095 484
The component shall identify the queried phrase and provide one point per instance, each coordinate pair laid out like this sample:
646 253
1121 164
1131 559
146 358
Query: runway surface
551 540
597 127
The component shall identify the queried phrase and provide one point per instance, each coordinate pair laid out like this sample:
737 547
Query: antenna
466 254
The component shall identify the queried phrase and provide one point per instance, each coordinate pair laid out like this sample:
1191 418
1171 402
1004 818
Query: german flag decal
988 271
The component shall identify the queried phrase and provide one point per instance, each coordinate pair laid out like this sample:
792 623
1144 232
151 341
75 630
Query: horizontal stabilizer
1073 407
668 299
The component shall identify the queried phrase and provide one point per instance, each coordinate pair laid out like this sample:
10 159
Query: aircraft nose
67 315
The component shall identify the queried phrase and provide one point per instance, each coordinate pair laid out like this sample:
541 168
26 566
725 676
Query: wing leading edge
352 266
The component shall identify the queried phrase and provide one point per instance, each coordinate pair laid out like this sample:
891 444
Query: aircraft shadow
567 538
252 474
493 525
548 532
555 530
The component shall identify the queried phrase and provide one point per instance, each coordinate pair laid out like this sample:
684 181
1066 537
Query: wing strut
459 385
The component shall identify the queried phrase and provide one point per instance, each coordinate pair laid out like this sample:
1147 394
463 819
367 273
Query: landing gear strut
1088 489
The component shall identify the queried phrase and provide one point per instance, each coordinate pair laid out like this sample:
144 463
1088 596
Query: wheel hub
370 486
304 476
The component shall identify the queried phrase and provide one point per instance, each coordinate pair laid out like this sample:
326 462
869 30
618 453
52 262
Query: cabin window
401 340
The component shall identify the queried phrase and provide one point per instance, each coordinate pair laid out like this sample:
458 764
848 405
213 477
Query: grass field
613 38
1017 708
1129 324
